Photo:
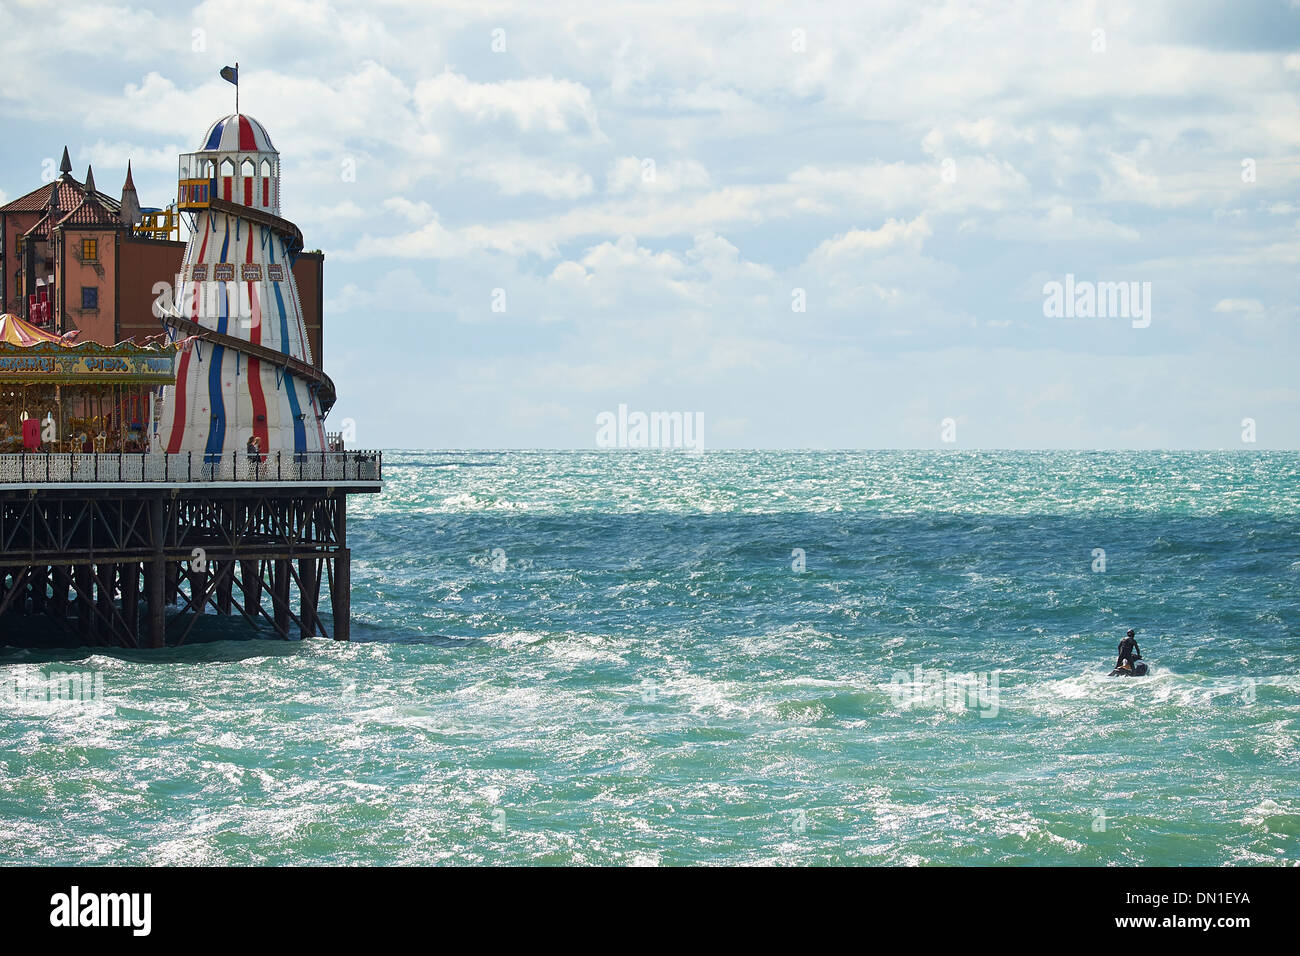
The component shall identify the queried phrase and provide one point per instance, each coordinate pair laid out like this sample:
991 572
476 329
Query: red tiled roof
84 211
71 193
90 212
41 230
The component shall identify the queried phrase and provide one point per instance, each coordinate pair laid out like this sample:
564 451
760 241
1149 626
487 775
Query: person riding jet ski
1130 657
1128 650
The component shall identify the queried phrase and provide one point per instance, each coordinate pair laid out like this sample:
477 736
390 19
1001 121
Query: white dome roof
237 133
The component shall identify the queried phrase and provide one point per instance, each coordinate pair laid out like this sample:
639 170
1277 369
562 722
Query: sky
808 226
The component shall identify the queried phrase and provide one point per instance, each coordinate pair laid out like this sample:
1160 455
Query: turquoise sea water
610 658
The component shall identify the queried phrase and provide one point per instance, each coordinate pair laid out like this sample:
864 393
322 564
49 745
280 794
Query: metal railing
190 467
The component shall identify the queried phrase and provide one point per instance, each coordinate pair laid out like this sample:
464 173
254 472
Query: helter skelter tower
250 371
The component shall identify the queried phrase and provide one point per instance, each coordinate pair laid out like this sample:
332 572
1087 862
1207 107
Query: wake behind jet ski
1129 663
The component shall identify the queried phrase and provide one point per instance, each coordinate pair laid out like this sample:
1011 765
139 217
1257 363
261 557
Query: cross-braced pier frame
137 562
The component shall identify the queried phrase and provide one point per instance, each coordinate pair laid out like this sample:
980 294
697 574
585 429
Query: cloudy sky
822 227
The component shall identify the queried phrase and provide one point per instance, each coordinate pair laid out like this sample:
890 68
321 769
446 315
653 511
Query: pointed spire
53 212
129 213
65 167
90 181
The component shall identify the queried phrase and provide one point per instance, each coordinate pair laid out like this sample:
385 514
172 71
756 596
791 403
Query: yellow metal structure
164 224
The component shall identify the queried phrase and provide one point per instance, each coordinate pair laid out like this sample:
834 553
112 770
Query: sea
626 657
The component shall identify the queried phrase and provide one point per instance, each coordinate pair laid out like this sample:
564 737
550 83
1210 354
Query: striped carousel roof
237 132
14 331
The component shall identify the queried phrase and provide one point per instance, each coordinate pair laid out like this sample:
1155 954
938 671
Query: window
90 249
89 297
227 178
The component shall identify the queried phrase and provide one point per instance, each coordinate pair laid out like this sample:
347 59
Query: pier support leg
83 575
59 598
341 595
309 579
280 598
156 578
130 587
154 588
224 585
250 574
105 587
37 581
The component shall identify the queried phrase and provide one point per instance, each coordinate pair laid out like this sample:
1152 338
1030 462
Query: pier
104 544
168 457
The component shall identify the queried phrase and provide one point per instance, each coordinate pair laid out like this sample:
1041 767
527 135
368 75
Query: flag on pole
231 75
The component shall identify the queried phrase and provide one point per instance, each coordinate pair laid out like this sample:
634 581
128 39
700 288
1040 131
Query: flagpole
236 87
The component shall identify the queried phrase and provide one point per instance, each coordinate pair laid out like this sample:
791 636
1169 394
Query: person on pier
254 453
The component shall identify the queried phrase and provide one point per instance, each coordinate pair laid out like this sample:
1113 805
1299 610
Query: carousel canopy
14 331
32 356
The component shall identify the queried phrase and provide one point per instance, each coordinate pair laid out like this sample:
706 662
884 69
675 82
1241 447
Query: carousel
57 395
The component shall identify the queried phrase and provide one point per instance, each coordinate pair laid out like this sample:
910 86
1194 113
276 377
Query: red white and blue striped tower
250 372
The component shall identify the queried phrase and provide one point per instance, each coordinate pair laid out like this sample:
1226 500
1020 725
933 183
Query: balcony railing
190 467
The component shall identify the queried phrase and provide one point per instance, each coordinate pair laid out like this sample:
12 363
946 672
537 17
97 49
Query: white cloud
1059 222
521 177
534 104
853 245
417 212
1242 306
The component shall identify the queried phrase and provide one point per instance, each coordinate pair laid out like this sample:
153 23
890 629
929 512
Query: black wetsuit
1128 651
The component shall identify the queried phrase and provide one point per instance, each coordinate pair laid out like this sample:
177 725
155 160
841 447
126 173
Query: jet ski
1139 670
